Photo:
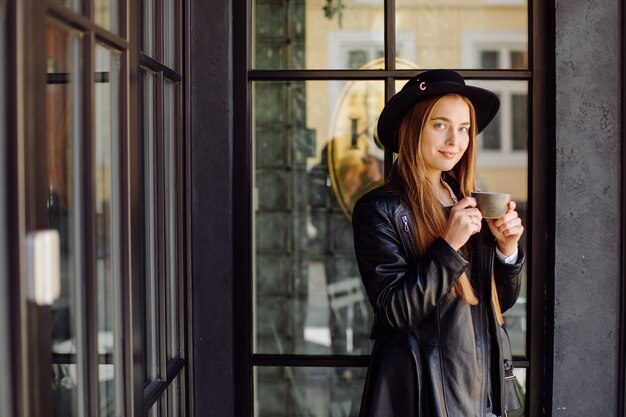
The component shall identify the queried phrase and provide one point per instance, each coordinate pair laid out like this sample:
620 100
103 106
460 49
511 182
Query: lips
448 155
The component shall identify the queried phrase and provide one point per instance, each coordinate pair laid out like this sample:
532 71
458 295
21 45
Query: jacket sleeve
508 280
402 293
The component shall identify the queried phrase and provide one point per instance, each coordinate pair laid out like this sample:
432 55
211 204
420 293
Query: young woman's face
446 135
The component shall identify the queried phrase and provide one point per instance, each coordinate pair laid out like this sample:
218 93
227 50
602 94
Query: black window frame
25 126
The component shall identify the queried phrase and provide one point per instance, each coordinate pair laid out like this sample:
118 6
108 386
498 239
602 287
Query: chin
447 167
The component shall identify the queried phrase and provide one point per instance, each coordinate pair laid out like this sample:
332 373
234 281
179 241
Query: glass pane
147 27
519 59
150 227
520 381
489 139
63 141
281 30
454 34
505 169
171 156
314 156
519 109
106 14
489 59
520 374
290 391
107 134
170 24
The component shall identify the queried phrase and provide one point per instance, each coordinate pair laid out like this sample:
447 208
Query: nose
453 138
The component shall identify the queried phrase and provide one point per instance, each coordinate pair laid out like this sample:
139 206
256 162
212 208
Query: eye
440 125
464 130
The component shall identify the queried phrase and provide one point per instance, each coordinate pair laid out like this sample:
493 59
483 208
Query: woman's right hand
464 221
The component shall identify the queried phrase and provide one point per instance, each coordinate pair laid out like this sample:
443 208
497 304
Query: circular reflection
355 158
353 171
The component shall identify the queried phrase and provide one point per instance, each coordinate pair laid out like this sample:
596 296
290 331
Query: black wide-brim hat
429 84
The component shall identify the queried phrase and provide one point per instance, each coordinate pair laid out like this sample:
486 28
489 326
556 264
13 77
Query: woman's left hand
507 230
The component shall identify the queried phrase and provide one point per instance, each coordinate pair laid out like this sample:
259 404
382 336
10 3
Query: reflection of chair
346 293
342 297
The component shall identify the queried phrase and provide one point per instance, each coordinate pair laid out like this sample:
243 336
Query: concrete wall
588 182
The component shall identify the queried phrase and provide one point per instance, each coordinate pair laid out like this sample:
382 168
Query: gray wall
588 182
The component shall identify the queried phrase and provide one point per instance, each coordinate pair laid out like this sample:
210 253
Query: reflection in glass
518 59
355 158
170 46
170 155
150 226
173 398
155 410
307 392
106 14
489 139
62 136
308 291
489 59
147 27
519 106
520 374
462 34
107 223
520 381
314 34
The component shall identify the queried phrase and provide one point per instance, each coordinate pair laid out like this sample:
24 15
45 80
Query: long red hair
410 169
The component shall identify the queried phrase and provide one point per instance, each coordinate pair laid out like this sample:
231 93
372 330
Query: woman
438 276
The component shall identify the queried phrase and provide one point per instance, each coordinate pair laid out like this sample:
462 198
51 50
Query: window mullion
390 35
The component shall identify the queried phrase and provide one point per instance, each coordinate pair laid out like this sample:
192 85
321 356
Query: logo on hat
423 85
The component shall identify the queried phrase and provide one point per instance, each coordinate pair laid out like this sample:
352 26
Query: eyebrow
445 119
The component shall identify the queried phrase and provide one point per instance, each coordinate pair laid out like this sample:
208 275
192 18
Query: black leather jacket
432 350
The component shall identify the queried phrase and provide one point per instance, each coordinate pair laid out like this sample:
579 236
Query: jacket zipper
408 239
405 220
